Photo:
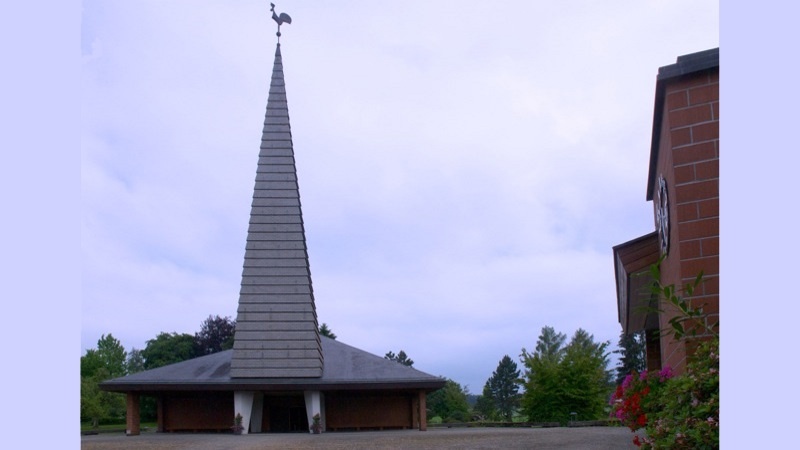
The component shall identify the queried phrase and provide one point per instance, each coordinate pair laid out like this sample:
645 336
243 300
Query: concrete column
423 413
132 414
314 407
322 411
258 413
243 404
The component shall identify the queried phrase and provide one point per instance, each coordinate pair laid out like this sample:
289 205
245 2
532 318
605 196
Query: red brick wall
689 160
132 414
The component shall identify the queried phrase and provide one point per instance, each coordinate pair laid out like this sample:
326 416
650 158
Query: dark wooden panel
198 411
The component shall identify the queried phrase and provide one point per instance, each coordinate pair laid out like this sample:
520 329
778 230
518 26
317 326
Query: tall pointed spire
276 325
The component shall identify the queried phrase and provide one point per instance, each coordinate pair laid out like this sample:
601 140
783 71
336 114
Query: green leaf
698 279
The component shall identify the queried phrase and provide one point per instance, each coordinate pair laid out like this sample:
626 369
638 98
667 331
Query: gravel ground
615 438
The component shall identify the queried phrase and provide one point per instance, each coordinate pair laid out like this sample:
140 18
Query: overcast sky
465 167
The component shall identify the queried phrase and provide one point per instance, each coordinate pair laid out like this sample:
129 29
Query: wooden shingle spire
276 323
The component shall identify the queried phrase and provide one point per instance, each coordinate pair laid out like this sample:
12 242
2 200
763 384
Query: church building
281 373
683 184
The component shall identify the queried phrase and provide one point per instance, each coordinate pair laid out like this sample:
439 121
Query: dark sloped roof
346 368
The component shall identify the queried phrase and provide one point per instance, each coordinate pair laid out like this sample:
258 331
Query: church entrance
284 414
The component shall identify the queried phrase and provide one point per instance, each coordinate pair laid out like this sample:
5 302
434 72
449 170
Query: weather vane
283 18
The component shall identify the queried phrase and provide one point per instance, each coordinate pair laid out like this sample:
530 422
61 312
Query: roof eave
634 256
271 385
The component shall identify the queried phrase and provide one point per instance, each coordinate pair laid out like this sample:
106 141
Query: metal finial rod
279 19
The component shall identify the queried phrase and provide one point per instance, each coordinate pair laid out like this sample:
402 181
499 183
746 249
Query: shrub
677 412
681 412
685 414
632 399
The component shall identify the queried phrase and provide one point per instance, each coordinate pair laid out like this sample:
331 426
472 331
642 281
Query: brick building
683 183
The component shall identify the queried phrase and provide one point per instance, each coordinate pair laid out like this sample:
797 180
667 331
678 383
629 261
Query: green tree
550 344
97 365
112 356
401 358
148 406
215 335
587 380
542 400
325 331
560 381
168 348
484 406
92 407
90 363
135 361
631 349
504 388
449 403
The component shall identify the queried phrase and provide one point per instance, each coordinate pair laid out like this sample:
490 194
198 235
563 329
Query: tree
97 365
560 381
135 361
449 403
504 387
632 354
216 334
112 356
148 408
586 376
168 348
401 358
325 331
91 404
484 406
542 400
550 344
90 363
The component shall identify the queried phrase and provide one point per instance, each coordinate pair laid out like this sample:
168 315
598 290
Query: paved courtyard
615 438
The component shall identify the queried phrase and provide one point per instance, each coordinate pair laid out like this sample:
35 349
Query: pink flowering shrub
629 403
686 414
677 412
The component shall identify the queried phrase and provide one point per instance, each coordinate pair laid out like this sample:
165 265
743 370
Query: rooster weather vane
283 18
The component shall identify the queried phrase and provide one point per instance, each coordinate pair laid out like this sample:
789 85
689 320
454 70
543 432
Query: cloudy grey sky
465 167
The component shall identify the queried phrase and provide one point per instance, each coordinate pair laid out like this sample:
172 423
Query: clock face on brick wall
662 215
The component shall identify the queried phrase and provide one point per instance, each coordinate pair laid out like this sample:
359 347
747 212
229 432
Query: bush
686 414
677 413
631 402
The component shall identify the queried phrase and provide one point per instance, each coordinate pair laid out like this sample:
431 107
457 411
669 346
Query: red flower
619 392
